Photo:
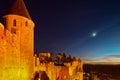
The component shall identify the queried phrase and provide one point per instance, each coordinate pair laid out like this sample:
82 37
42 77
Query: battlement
61 66
1 30
7 36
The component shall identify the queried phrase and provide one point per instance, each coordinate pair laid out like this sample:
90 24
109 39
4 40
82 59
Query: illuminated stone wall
76 69
67 71
16 48
53 71
1 50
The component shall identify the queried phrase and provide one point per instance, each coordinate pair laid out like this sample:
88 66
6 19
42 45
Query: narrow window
14 22
26 23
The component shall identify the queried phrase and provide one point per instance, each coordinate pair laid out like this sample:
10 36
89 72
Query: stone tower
17 44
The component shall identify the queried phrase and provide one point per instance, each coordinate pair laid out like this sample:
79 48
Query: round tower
19 23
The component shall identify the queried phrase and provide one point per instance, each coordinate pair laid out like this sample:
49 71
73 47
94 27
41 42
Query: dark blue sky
66 26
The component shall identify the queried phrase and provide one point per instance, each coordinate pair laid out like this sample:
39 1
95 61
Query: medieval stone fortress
61 68
17 59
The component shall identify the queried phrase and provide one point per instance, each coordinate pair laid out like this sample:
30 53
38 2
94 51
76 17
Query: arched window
14 22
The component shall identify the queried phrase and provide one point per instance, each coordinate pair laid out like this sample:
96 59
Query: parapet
1 30
5 34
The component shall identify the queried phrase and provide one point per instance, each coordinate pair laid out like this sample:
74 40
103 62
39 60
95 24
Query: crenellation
1 27
1 31
63 68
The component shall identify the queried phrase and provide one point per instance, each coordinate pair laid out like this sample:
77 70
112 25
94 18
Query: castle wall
1 49
16 49
9 56
70 71
1 30
54 72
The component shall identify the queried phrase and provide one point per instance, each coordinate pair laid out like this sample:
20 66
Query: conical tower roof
19 8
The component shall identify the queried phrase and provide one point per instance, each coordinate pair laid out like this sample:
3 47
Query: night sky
87 29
